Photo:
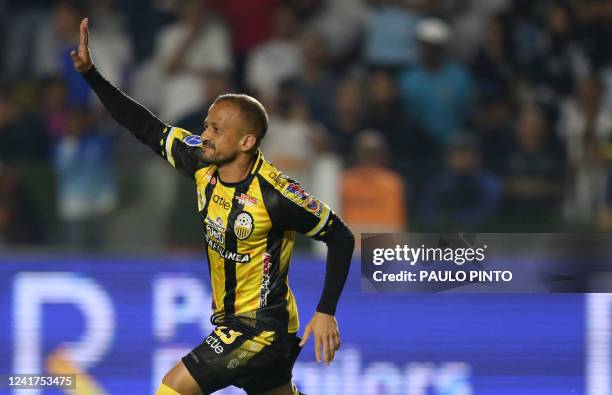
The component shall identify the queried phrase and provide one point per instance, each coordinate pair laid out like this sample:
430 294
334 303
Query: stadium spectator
315 81
250 23
604 218
438 93
533 173
464 197
585 126
341 23
19 219
56 37
86 186
349 114
373 195
185 51
390 34
294 138
469 20
21 21
111 44
277 59
559 59
492 66
182 232
494 126
213 84
21 133
54 107
593 29
384 112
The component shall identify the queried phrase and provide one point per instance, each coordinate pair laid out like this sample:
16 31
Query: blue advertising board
121 322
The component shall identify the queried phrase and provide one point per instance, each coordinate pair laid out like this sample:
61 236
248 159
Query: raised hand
82 58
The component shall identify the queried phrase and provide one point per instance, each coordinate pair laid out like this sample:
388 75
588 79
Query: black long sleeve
133 116
340 245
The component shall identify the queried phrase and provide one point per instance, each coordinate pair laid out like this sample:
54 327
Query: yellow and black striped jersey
249 228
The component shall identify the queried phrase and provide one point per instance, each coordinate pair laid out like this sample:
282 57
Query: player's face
222 135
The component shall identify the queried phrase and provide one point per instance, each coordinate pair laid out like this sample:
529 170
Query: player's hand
82 58
324 328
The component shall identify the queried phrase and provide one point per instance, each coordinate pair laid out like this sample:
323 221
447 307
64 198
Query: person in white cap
438 92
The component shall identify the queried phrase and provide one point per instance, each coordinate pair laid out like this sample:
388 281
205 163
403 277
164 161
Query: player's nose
205 135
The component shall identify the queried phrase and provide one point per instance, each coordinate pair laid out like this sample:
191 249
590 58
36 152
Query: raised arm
132 115
179 147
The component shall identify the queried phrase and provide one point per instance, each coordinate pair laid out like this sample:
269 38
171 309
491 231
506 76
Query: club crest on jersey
243 226
246 200
192 140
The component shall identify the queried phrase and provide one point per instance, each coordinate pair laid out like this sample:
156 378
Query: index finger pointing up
84 32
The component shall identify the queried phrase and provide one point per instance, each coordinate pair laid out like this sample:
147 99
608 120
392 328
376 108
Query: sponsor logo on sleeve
314 205
295 191
193 140
280 181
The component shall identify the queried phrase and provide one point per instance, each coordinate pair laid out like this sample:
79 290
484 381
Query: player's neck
237 170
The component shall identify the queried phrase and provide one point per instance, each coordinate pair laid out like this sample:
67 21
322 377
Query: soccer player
250 212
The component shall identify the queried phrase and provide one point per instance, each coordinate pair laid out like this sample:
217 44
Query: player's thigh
220 360
179 379
273 368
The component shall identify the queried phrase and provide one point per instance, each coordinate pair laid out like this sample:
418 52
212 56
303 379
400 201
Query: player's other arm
323 325
340 245
132 115
310 216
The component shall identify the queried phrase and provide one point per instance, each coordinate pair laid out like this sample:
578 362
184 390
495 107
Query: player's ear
248 142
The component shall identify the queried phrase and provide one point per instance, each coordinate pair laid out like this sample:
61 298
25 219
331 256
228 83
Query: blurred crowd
445 115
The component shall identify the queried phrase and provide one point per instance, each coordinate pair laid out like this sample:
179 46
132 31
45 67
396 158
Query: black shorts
255 363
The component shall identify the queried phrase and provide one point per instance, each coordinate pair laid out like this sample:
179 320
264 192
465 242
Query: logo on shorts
195 357
215 344
233 363
243 226
193 140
